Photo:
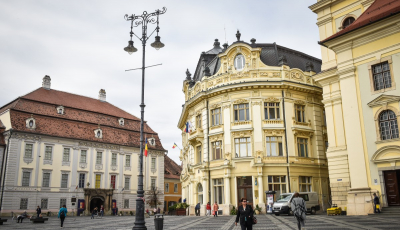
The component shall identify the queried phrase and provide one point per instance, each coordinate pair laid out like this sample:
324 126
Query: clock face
152 141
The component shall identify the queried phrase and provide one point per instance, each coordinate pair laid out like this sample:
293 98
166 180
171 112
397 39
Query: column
261 195
227 190
253 180
205 192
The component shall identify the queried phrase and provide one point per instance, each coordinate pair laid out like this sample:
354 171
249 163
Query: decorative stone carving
113 167
99 167
242 133
210 83
127 168
27 137
300 102
240 75
226 106
197 88
276 74
272 99
239 101
47 162
83 165
214 106
297 76
219 80
256 103
303 133
99 145
66 163
28 160
216 138
265 74
274 132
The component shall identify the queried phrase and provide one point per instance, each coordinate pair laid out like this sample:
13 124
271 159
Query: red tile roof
171 168
379 10
82 115
77 101
56 127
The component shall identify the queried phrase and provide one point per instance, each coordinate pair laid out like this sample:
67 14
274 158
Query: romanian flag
175 145
145 149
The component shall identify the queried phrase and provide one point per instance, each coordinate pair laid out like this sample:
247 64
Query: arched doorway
96 202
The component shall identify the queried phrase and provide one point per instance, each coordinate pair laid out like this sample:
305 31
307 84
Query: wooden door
245 189
392 188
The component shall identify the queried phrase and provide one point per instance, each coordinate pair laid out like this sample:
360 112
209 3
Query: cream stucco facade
226 157
358 156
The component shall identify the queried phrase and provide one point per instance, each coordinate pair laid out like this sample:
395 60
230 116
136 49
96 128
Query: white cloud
80 45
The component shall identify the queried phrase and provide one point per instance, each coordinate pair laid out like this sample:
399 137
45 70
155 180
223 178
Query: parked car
282 203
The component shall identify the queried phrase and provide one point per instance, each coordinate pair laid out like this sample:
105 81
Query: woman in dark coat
245 213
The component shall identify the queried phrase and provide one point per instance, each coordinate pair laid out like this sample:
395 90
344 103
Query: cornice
363 36
323 4
326 77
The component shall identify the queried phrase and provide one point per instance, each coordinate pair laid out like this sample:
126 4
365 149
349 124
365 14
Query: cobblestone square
321 221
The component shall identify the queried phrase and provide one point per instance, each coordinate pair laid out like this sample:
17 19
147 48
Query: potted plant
233 211
257 209
181 209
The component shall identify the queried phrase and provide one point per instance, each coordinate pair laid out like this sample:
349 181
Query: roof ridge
85 97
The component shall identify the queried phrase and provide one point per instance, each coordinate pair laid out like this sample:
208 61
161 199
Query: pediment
383 100
390 153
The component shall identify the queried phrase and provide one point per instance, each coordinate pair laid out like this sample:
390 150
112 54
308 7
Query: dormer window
239 62
60 110
347 22
30 123
121 121
98 133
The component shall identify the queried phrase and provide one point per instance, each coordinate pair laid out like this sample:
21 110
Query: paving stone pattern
320 221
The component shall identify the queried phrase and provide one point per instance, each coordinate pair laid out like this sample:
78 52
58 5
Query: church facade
360 47
63 148
252 121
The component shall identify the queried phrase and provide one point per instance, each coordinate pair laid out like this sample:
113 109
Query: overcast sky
79 44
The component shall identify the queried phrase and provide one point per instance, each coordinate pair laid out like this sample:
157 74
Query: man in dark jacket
38 211
197 209
245 214
376 203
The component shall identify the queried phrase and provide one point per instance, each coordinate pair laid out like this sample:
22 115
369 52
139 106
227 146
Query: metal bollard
159 221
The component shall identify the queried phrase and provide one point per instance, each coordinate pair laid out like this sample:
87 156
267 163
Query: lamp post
143 20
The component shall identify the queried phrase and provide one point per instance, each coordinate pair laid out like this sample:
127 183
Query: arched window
239 62
200 193
388 125
347 22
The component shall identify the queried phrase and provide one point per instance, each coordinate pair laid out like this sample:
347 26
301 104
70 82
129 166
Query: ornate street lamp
143 20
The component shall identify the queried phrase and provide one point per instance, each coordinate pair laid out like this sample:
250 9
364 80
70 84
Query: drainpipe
208 154
2 181
286 144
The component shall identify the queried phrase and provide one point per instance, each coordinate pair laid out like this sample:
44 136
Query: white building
60 146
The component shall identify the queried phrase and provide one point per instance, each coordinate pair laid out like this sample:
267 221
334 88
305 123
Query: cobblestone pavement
222 222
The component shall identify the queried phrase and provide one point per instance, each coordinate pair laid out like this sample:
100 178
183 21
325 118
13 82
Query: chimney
102 95
46 82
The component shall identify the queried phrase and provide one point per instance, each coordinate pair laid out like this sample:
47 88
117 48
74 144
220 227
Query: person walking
38 211
22 216
245 214
158 210
215 209
208 208
62 214
376 204
298 206
197 209
102 211
94 212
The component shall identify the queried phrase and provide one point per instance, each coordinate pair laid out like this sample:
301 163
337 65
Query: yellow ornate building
360 46
257 124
